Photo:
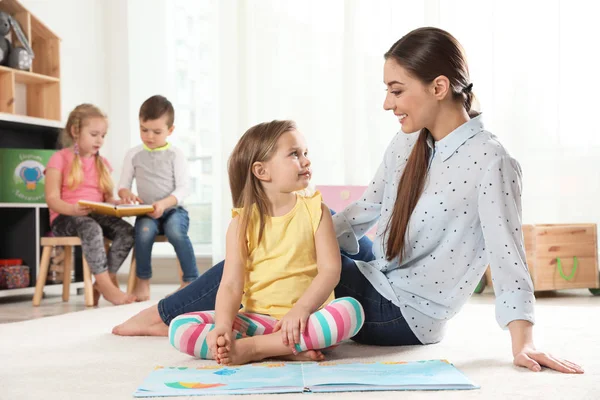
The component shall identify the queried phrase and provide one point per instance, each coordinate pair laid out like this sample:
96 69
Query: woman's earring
76 149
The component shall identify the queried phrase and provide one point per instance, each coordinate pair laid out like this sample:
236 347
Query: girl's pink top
89 189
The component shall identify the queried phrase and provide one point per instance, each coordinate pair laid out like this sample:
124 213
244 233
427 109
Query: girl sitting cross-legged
282 262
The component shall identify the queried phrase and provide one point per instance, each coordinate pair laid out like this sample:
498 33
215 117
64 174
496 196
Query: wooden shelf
27 77
42 81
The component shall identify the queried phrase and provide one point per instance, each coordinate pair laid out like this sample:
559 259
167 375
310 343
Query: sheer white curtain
533 68
320 63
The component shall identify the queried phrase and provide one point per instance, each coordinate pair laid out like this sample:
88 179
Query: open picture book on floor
283 377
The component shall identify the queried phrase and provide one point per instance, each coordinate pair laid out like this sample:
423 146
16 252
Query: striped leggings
339 320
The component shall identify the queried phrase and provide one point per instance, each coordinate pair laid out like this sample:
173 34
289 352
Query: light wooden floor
19 308
165 278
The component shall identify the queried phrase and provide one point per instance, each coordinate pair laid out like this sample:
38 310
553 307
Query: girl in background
78 172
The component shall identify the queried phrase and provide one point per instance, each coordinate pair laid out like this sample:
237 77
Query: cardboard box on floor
561 256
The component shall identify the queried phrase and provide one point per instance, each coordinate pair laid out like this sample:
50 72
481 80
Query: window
192 32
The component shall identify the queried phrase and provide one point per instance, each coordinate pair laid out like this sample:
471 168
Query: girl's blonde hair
258 144
69 136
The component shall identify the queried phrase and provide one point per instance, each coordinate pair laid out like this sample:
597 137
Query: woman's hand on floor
534 359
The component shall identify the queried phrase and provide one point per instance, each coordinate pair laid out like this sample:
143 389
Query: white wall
135 69
532 75
82 27
98 64
95 66
117 83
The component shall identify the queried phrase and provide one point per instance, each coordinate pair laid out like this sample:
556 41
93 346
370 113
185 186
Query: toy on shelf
29 65
18 57
4 43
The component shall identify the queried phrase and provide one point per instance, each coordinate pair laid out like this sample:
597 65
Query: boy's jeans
174 224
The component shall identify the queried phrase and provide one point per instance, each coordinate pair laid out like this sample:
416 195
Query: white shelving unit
35 124
25 119
23 205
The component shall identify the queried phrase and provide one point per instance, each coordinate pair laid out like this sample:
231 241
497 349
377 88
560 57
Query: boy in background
161 174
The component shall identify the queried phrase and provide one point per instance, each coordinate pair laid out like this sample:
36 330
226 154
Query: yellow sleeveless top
282 266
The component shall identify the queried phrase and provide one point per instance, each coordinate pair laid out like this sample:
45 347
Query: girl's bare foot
113 279
309 355
222 342
105 286
233 356
96 295
256 348
145 323
239 352
142 289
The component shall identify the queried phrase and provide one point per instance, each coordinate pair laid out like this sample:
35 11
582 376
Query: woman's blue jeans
384 324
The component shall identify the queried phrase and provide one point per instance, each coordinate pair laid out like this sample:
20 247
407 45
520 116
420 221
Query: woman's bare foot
142 289
145 323
105 286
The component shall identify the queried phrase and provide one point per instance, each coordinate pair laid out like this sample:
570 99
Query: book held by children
303 377
120 210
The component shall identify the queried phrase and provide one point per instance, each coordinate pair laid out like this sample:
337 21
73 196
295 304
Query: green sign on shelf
22 175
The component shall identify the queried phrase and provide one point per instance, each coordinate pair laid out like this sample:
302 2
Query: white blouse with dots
468 216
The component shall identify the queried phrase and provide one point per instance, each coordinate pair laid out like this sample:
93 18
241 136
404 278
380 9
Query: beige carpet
74 356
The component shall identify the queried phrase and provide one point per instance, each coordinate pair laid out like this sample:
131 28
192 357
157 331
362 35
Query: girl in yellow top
282 262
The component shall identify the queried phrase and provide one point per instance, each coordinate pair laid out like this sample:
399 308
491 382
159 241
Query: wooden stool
68 242
131 280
